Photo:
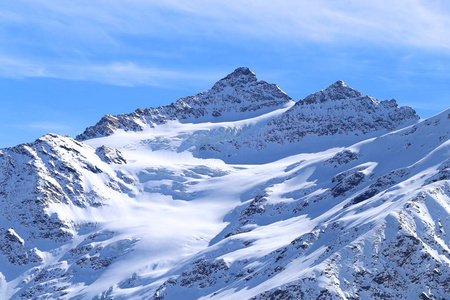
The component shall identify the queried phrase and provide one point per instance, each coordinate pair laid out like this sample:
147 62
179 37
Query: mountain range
238 192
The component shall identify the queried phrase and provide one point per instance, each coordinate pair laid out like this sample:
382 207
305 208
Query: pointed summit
340 90
241 72
335 92
237 96
239 77
338 84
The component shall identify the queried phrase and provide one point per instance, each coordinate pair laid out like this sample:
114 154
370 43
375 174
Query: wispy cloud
116 73
46 126
418 23
114 41
15 68
402 22
129 74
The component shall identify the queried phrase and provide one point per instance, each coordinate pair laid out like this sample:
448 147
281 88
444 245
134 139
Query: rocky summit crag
237 192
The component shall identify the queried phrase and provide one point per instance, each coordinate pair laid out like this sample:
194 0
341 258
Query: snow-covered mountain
239 95
339 112
234 193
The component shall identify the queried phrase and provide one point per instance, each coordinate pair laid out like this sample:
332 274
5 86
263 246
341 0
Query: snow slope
190 208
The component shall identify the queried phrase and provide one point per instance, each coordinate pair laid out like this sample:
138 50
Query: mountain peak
241 72
337 91
341 90
338 84
237 95
239 77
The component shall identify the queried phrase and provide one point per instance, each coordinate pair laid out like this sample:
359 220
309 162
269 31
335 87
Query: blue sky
64 64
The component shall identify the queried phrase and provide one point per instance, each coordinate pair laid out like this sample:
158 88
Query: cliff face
358 206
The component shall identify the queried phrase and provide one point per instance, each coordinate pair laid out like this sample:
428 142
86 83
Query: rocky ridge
338 110
239 92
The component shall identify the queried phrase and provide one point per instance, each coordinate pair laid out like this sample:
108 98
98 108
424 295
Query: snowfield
248 195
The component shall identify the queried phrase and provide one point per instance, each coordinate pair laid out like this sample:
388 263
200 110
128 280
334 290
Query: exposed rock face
343 157
239 92
110 155
346 182
13 247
